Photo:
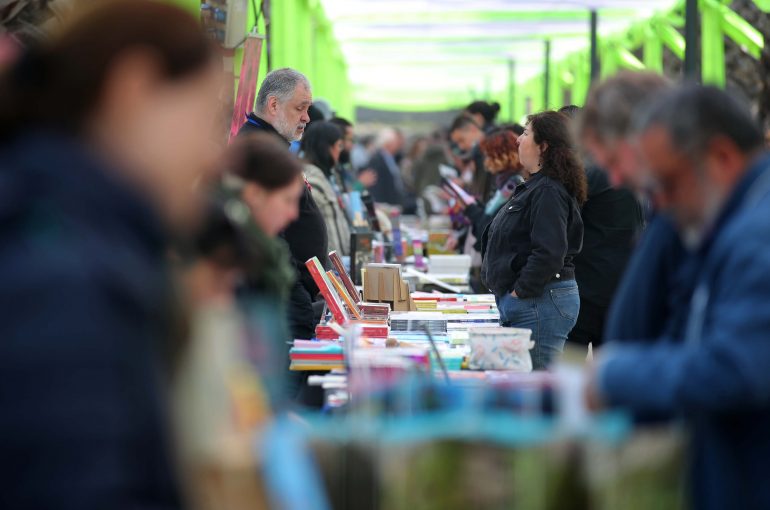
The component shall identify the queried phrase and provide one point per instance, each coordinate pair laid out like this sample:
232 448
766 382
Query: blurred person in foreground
232 376
704 158
612 221
642 307
105 131
529 247
321 148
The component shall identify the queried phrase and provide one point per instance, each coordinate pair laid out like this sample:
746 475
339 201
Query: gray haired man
282 104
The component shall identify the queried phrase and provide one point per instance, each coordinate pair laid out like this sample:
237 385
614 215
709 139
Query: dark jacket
646 308
389 188
716 375
612 219
84 320
306 236
533 239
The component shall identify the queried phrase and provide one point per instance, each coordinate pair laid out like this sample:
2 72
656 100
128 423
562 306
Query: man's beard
344 157
287 130
693 234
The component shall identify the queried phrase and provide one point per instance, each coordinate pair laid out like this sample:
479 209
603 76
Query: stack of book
345 303
312 355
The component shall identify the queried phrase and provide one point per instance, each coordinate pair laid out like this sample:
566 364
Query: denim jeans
550 317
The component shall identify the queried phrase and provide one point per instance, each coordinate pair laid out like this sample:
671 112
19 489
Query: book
326 287
340 290
344 277
361 253
371 213
457 192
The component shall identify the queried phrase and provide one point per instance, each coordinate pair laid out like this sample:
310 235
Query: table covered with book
433 382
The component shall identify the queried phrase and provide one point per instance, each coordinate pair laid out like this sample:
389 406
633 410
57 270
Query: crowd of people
139 252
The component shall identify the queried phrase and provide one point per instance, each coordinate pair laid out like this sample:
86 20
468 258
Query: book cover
325 286
344 277
340 290
458 192
361 253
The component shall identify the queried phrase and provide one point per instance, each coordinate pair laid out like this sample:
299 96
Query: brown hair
263 159
501 146
59 83
559 160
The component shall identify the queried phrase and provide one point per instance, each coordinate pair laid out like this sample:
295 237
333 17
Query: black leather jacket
532 239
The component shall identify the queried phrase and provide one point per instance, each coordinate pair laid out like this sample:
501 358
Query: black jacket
306 236
613 218
532 240
84 320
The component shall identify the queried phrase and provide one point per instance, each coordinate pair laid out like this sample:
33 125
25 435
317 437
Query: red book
344 277
330 296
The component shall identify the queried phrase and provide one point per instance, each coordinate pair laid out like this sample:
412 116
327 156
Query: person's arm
726 370
548 235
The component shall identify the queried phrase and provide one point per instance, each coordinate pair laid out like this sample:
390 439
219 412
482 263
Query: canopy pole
594 46
512 89
691 49
547 80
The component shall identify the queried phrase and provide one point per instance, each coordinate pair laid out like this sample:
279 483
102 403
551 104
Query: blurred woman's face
165 135
274 210
529 151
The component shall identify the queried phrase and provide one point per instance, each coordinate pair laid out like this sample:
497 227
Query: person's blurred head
572 111
283 100
271 178
347 136
418 147
322 145
465 133
546 146
696 142
389 140
483 113
501 152
315 114
136 80
604 126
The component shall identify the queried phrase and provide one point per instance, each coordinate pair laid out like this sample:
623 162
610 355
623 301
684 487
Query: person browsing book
321 148
529 246
281 110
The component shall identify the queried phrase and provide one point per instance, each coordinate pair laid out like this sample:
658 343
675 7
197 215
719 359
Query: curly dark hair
559 160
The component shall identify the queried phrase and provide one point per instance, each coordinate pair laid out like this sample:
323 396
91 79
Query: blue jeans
550 317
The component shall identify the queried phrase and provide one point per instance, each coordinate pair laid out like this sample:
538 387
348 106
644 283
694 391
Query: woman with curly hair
529 247
501 160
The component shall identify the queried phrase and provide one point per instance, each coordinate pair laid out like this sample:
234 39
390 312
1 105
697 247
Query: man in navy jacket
705 161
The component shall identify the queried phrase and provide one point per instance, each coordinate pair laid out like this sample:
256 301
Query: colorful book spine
344 277
319 276
338 287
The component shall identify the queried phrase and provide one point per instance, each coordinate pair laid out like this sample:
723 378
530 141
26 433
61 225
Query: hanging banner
247 83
